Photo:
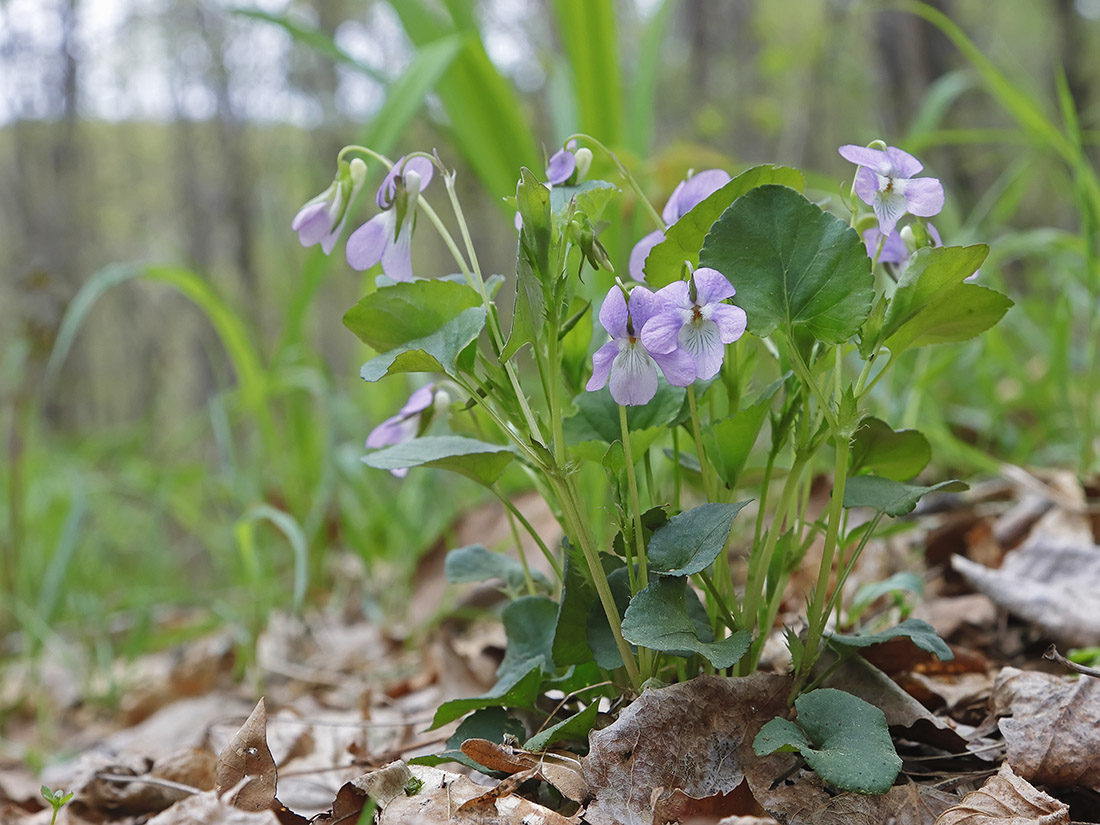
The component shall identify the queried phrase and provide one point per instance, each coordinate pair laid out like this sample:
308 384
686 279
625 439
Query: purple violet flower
562 164
386 237
322 219
623 362
695 319
405 425
685 197
885 181
897 249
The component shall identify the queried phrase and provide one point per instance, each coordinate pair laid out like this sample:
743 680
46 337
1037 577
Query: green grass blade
590 34
54 580
315 39
643 94
487 121
292 531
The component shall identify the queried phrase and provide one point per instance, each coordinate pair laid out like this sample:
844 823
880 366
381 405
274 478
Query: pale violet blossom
386 238
322 219
695 318
885 182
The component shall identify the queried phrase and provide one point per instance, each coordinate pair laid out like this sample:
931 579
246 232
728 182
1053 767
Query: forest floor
322 723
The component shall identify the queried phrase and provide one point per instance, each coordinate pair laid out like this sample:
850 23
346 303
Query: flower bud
583 158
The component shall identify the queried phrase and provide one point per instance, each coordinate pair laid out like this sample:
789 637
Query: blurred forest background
194 428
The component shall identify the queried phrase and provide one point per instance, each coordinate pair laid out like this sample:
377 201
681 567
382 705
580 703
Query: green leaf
529 626
577 596
895 454
600 639
493 724
904 581
592 198
794 265
891 497
478 460
684 239
532 264
658 618
843 738
519 694
922 634
418 326
933 304
474 563
597 416
692 540
729 441
576 726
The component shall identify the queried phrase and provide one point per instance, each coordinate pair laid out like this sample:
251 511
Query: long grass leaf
486 115
590 34
292 531
643 86
54 579
315 39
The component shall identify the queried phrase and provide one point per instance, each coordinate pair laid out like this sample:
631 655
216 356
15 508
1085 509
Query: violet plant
739 271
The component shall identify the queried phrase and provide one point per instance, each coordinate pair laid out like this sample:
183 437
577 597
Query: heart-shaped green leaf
794 265
576 726
843 738
692 540
684 239
895 454
891 497
658 618
474 459
922 634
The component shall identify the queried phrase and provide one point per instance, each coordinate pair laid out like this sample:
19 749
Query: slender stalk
719 602
819 606
577 525
629 178
705 470
632 483
808 379
518 516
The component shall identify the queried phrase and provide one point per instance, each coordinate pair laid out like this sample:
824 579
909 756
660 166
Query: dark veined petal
397 256
702 341
889 206
633 380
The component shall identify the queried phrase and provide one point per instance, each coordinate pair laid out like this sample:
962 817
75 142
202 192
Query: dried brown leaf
209 809
248 757
1006 799
693 737
1051 726
1052 583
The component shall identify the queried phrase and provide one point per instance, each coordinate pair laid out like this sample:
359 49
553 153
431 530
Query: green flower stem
553 393
577 526
760 561
629 178
719 601
819 606
847 565
676 470
632 483
518 516
808 379
705 469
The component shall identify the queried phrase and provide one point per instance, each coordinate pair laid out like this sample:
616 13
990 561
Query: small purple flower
322 219
386 237
688 194
562 164
885 181
406 424
696 320
623 362
893 250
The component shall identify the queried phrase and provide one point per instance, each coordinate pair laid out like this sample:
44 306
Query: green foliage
690 542
474 459
794 266
474 563
660 618
894 454
844 739
891 497
922 634
684 239
575 727
492 723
